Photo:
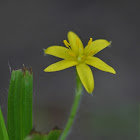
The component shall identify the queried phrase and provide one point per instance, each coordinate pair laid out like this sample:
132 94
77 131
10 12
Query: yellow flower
74 54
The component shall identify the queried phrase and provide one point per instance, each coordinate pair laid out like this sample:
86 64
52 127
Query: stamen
66 43
90 41
88 46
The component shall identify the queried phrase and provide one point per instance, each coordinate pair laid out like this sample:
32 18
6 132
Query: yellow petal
75 43
86 76
60 65
98 63
96 46
58 51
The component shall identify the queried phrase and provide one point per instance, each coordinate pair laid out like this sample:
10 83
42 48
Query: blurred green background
26 27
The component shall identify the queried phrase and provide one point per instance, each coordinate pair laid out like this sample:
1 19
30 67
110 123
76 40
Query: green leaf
52 135
3 131
19 118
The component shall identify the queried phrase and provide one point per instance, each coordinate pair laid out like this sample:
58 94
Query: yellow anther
90 41
66 43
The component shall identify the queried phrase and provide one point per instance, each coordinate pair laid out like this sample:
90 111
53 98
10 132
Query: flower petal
60 65
75 43
58 51
98 63
86 76
96 46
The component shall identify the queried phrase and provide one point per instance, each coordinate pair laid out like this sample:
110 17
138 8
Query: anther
90 41
66 43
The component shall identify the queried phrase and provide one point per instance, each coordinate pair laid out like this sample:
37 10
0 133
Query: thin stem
78 94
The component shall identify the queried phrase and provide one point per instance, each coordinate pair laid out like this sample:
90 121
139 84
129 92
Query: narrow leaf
3 131
54 135
19 119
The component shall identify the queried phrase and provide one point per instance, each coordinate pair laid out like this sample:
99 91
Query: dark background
26 27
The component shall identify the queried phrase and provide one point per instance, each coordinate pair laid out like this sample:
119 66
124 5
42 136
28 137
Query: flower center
81 58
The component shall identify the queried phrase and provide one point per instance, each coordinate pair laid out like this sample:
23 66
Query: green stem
78 94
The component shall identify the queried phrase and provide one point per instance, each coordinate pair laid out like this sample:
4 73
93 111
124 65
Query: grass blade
3 131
